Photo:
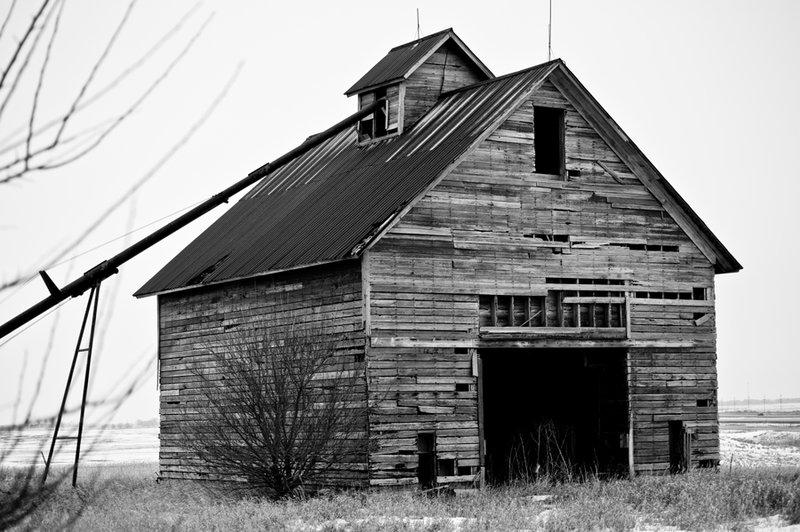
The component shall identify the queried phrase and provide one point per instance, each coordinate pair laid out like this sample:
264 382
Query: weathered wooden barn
498 258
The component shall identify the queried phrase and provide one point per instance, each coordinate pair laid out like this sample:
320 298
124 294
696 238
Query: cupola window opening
380 123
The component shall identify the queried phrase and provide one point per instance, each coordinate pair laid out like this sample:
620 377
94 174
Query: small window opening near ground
447 467
548 140
426 465
680 446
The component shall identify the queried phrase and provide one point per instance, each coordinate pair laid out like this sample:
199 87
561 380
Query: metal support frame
91 305
109 267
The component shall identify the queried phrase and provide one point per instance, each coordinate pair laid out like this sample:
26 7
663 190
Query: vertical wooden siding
191 323
480 231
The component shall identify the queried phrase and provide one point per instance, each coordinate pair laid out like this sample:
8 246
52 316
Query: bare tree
282 411
47 144
50 138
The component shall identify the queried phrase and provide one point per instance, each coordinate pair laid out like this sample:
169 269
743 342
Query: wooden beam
481 422
702 319
588 332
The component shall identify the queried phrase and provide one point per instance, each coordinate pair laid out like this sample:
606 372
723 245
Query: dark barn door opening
557 412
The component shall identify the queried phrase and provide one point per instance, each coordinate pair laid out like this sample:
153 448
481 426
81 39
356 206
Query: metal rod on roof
109 267
550 33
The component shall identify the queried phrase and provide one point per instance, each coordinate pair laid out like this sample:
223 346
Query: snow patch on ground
454 524
760 448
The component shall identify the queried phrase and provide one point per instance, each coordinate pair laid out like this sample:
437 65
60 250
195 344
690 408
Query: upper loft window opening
380 123
548 140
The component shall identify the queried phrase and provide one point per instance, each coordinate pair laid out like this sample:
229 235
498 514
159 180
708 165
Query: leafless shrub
282 411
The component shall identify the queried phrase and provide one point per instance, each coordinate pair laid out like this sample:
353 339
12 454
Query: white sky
709 91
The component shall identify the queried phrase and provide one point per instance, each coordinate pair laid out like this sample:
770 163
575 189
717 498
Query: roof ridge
421 39
500 78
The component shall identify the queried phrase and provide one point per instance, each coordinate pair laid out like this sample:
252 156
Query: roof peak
401 61
425 38
552 62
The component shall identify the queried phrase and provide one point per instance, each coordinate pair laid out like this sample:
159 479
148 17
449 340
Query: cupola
411 77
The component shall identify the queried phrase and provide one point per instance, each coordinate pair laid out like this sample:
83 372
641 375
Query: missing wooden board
559 308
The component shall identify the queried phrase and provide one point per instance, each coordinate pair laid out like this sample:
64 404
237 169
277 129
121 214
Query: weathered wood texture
195 322
494 227
414 391
672 385
495 256
447 69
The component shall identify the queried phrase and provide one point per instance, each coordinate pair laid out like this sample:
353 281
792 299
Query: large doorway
556 412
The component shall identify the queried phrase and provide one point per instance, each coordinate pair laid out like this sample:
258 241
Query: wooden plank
702 319
605 332
481 424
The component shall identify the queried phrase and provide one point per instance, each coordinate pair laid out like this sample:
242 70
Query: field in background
747 439
760 439
98 446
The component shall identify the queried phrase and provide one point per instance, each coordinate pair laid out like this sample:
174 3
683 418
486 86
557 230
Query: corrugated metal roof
400 60
327 202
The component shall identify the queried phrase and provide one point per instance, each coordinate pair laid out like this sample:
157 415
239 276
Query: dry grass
127 497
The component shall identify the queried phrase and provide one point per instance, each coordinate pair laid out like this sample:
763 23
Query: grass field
126 497
747 493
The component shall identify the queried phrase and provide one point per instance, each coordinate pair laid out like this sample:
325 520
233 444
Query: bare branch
280 409
18 399
50 165
47 353
53 261
8 17
18 75
23 492
93 72
21 43
38 90
9 143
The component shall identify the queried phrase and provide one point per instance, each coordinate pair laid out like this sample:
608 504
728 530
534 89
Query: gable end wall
475 234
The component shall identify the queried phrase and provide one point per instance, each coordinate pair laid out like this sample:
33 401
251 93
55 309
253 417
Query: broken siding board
644 171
